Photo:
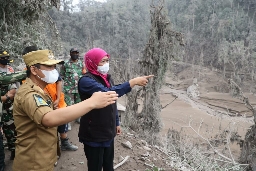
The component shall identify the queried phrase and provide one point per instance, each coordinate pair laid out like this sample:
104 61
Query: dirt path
76 160
69 160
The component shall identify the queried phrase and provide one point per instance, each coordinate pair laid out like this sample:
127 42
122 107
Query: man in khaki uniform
35 120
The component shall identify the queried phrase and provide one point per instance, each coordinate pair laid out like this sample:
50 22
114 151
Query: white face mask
50 76
103 69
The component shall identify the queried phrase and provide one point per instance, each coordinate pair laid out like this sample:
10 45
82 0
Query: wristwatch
7 97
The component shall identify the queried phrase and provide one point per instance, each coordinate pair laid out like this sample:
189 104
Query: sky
76 1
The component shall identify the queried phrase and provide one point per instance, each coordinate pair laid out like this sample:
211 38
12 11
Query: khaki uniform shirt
36 145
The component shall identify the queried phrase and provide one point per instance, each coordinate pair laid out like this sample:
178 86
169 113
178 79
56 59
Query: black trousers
62 129
99 157
1 152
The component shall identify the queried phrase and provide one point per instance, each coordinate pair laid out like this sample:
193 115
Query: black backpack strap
88 74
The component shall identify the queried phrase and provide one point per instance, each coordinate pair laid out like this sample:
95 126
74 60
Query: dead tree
248 146
145 118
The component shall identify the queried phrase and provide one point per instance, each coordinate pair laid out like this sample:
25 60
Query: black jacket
99 124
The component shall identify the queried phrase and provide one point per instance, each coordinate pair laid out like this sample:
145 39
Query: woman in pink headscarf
99 127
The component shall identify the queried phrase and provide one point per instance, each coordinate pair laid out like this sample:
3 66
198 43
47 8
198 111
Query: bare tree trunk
248 153
156 55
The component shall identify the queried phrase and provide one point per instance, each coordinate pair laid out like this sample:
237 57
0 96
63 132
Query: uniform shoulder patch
39 100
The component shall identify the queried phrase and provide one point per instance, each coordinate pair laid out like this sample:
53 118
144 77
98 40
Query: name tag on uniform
39 100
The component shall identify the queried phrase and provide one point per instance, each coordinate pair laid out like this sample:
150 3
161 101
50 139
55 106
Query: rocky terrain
203 113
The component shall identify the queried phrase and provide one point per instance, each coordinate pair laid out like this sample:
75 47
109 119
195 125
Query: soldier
7 115
2 156
70 72
4 98
57 96
35 120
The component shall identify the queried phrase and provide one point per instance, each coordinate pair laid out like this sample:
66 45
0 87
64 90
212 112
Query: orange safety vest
52 90
23 81
83 69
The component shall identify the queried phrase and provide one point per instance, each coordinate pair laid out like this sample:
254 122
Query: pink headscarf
92 58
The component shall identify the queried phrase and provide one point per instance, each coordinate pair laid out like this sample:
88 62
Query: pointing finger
149 76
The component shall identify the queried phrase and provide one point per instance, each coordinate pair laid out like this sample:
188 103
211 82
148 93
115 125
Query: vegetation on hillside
218 34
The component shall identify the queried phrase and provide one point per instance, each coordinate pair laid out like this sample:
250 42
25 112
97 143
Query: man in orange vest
54 90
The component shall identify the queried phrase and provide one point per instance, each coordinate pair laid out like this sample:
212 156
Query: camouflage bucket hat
44 57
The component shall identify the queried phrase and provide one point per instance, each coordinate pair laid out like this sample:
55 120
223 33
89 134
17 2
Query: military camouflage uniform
71 72
7 121
2 156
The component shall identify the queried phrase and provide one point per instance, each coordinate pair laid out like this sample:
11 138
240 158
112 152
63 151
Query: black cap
4 53
74 50
29 49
